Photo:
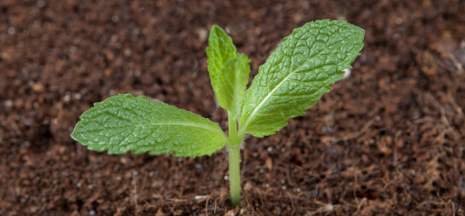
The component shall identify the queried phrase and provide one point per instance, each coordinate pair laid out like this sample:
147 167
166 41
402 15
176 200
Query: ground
388 140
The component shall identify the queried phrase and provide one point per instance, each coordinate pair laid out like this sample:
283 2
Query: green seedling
298 72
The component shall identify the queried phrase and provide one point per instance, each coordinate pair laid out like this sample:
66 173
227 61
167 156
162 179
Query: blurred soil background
388 140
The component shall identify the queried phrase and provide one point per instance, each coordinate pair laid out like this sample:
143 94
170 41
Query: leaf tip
216 30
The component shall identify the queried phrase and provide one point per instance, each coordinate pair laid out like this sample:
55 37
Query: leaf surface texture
229 71
123 123
298 72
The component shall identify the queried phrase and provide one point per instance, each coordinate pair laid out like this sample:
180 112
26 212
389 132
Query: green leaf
298 73
123 123
229 71
235 76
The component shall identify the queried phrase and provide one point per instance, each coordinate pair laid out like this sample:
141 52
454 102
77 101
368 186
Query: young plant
298 72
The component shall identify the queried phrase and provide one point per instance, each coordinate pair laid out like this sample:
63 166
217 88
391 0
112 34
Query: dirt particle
347 73
66 98
365 159
298 18
114 18
19 103
248 186
127 52
38 87
11 31
230 213
269 163
73 49
124 160
8 103
160 213
40 3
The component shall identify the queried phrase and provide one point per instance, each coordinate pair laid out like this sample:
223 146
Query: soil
388 140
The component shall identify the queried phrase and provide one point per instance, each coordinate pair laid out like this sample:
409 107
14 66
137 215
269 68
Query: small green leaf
235 76
298 73
220 49
123 123
229 71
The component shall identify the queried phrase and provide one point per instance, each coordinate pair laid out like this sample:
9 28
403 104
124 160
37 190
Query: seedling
298 72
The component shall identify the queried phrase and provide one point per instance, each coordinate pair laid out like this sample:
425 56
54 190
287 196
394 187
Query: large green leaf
123 123
298 73
229 71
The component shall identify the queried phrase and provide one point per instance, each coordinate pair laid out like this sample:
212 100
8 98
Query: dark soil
389 140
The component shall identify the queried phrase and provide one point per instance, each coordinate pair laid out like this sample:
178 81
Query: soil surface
388 140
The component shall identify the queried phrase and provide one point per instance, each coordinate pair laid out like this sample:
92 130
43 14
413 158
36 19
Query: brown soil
389 140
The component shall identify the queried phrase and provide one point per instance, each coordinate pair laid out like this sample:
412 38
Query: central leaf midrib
154 123
270 94
181 124
244 127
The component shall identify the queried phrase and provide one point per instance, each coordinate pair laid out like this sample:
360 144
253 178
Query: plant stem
234 162
232 131
235 175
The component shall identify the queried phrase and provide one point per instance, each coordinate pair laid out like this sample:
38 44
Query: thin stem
235 175
234 162
232 130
